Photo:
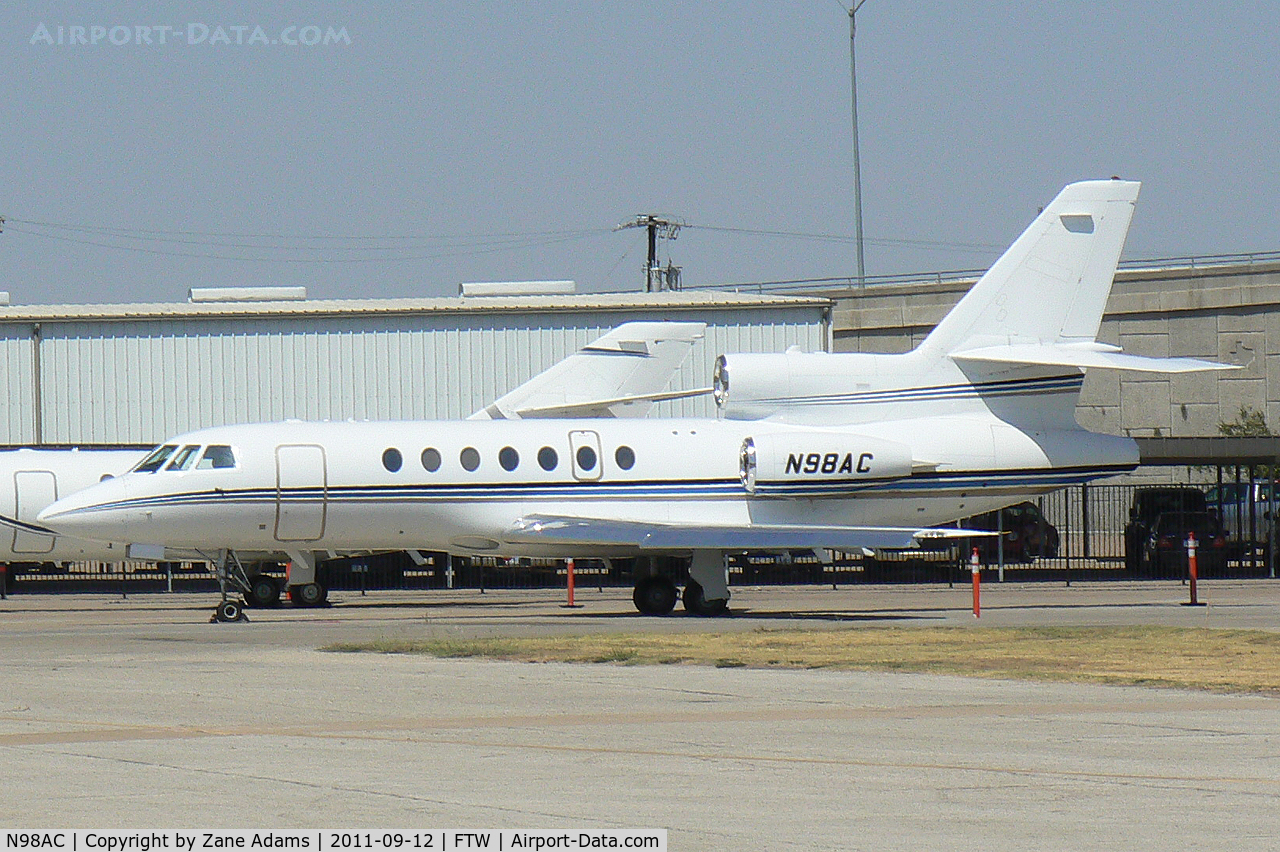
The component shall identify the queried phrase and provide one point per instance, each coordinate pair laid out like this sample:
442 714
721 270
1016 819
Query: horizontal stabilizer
545 529
618 375
1084 356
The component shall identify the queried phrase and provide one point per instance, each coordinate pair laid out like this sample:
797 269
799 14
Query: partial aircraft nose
98 513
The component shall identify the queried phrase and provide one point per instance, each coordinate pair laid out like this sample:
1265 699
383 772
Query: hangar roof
693 300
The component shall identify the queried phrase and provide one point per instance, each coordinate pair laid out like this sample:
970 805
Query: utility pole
857 168
655 277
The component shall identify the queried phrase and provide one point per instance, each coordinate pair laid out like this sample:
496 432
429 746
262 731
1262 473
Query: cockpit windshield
217 456
185 457
152 462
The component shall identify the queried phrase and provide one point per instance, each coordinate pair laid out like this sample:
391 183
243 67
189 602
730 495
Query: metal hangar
137 373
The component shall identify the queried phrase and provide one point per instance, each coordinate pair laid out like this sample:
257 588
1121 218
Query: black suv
1148 505
1166 548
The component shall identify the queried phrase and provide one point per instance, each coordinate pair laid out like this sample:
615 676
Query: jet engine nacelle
753 386
812 464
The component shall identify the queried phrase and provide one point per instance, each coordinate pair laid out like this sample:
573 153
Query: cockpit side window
185 457
217 456
158 456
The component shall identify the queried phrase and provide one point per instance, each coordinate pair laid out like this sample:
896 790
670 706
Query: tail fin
1051 285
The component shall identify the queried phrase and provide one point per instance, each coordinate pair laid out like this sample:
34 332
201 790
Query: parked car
1245 510
1150 503
1166 546
1027 534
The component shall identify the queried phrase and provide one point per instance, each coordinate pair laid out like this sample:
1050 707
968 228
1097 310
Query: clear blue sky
507 139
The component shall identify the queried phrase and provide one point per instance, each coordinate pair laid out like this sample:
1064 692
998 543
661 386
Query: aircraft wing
549 529
619 375
1084 356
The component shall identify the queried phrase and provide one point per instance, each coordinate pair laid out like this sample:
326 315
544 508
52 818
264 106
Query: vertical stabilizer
1051 285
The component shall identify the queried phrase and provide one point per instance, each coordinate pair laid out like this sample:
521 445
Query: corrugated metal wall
17 405
107 382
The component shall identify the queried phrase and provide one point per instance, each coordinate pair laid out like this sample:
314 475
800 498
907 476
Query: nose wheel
228 611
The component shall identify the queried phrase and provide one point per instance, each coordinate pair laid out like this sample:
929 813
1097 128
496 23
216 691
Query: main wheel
264 591
655 596
310 594
229 610
696 603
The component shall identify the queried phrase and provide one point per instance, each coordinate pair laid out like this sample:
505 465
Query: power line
397 248
511 245
842 238
163 235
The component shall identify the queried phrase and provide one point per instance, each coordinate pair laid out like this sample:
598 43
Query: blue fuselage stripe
1011 387
930 484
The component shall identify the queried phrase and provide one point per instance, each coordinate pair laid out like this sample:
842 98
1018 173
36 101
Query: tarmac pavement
138 713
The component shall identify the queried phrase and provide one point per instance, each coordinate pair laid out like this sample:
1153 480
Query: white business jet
593 382
810 450
31 479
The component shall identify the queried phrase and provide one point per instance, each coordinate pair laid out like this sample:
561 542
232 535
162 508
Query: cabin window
508 458
217 456
547 459
185 457
431 459
470 458
391 459
586 458
152 462
625 457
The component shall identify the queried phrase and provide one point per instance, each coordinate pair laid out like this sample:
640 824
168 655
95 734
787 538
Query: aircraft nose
90 514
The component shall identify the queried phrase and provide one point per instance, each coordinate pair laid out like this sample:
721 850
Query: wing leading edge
587 532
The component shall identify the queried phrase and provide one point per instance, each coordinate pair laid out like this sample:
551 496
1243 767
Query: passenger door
33 490
301 492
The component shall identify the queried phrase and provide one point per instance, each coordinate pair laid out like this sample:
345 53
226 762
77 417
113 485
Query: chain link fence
1090 532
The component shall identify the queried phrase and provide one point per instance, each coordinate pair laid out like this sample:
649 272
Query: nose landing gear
229 610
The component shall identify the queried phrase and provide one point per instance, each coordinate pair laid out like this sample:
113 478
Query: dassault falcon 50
592 382
810 450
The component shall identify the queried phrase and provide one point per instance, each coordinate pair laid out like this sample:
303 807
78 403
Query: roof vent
4 298
247 294
517 288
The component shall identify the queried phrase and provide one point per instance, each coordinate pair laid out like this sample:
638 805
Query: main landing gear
260 590
705 594
303 588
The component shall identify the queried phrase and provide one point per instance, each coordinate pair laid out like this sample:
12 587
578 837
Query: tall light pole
857 168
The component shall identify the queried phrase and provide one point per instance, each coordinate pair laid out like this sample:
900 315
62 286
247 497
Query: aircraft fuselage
461 486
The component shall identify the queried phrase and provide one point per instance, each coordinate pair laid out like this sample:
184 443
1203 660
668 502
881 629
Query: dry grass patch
1217 660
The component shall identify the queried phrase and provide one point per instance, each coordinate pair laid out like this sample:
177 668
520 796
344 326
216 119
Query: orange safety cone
1192 569
568 565
975 566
